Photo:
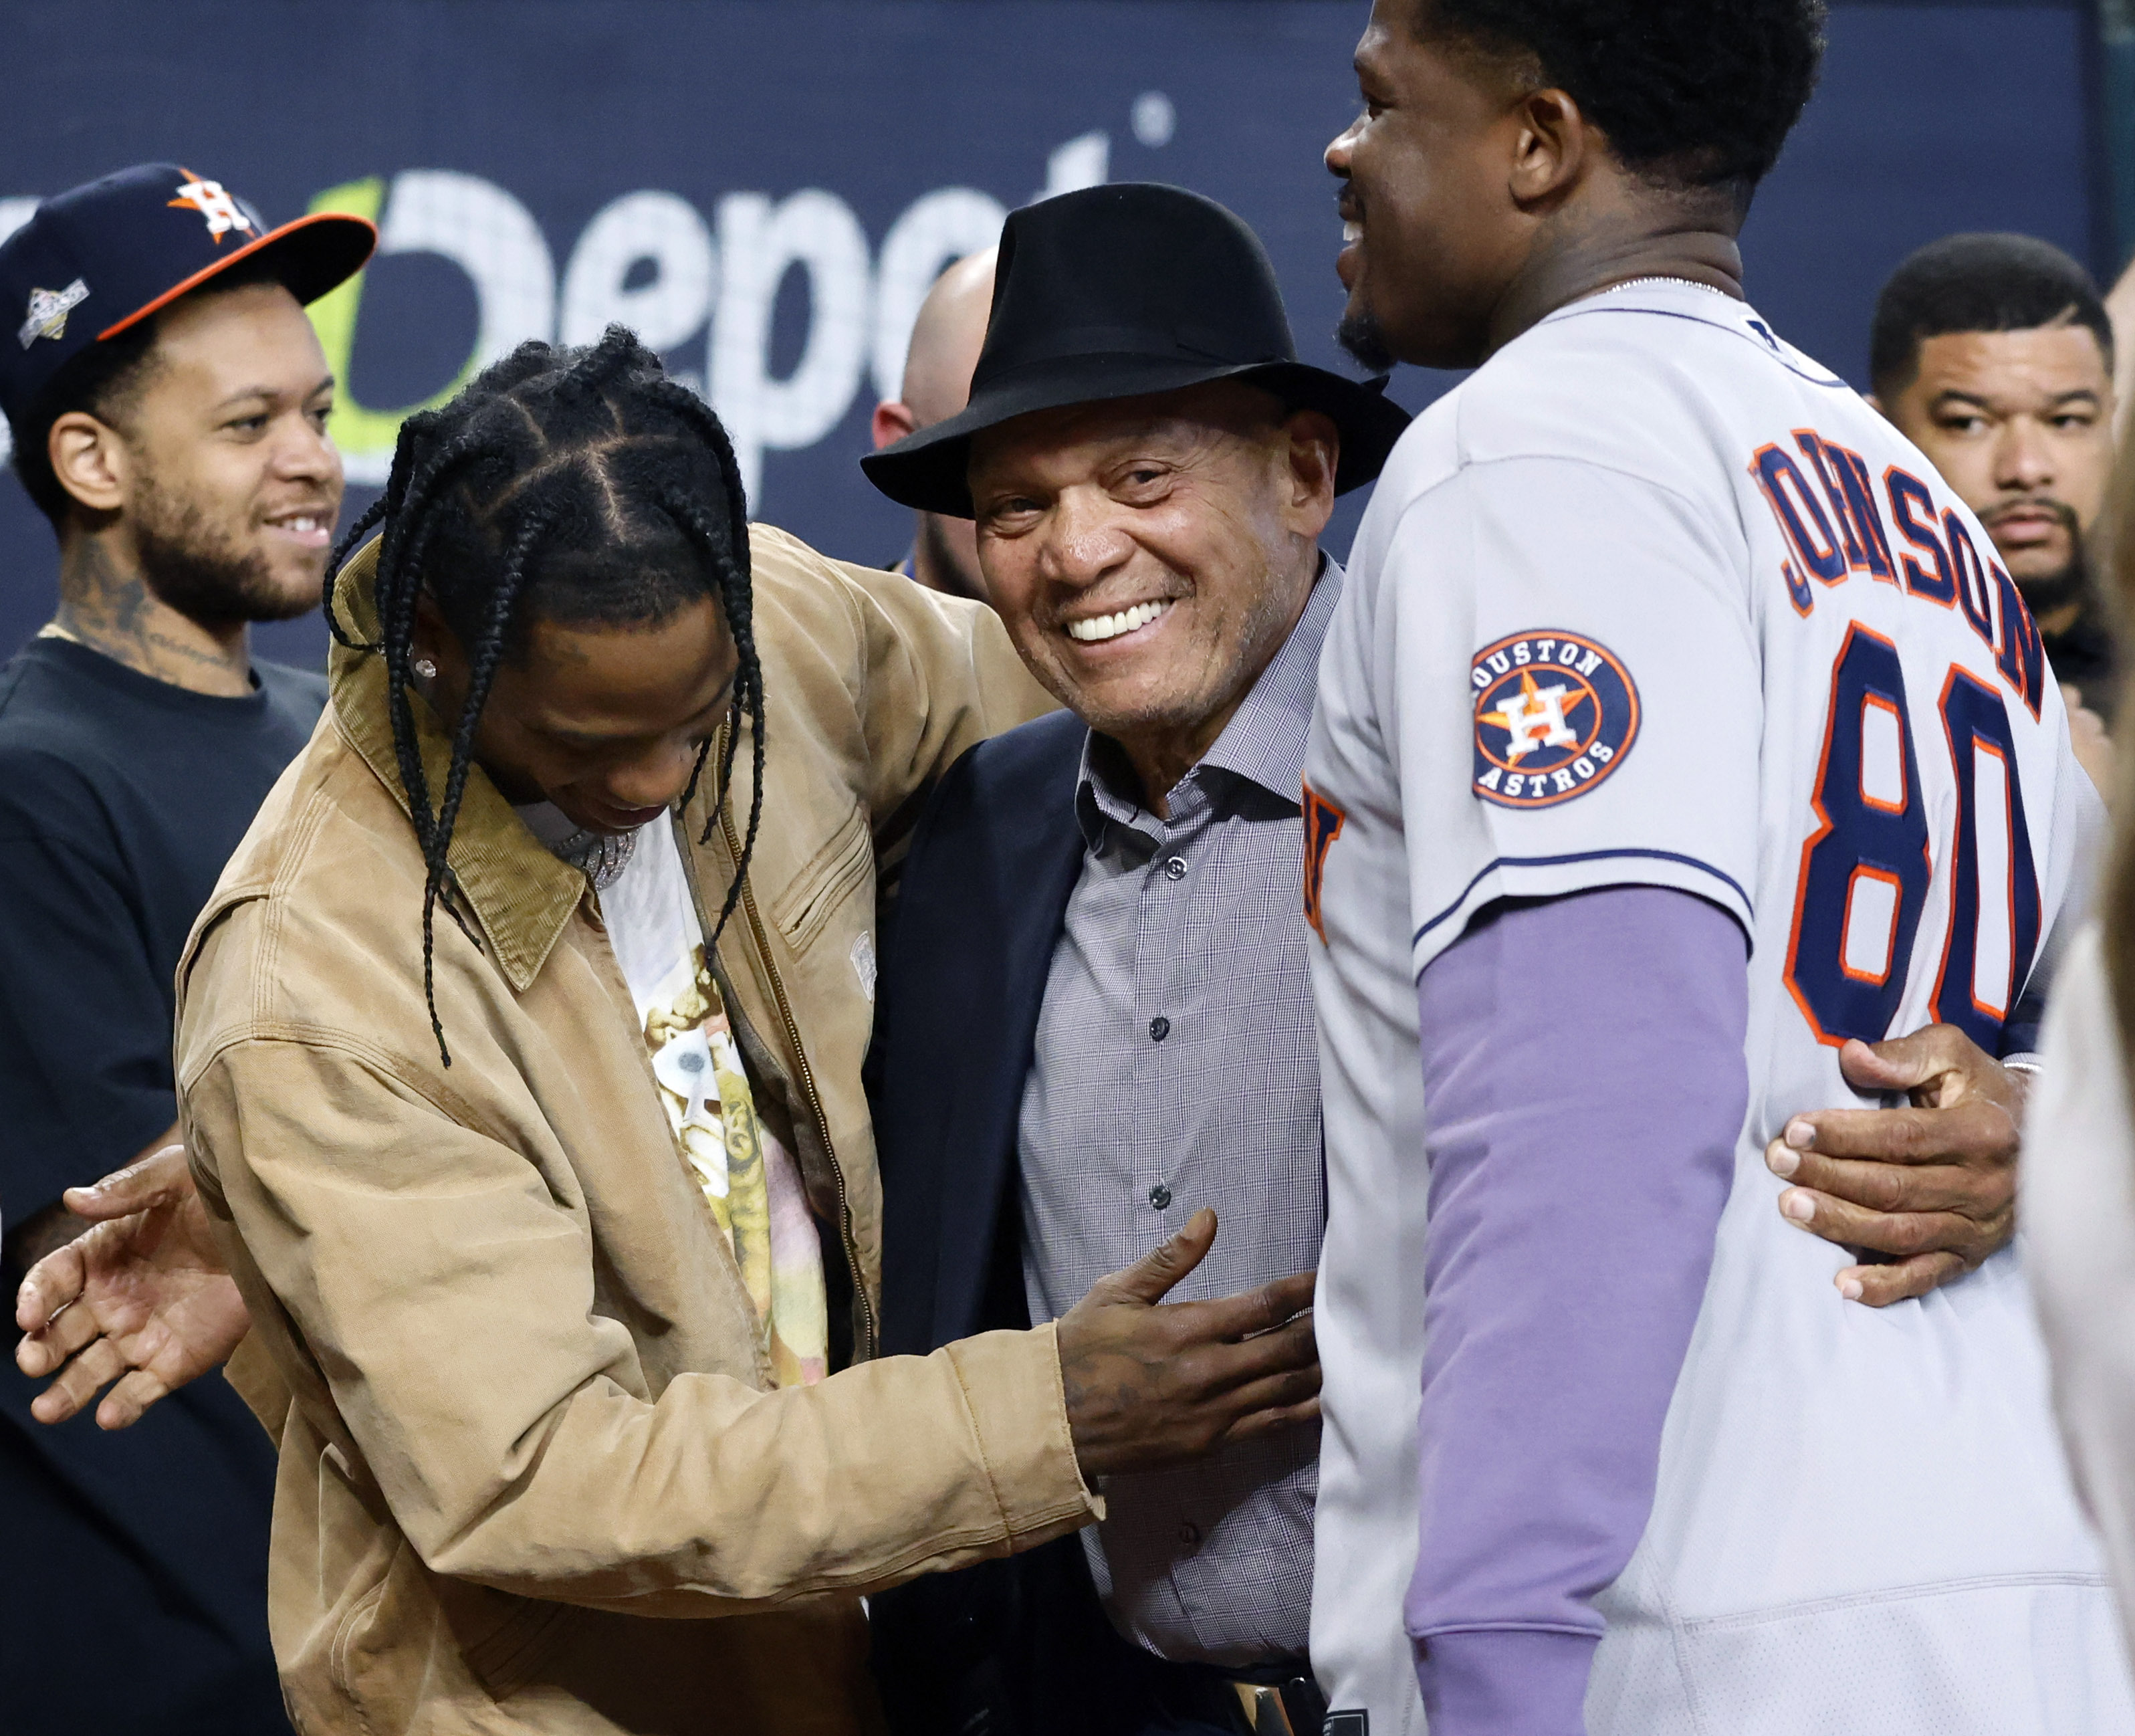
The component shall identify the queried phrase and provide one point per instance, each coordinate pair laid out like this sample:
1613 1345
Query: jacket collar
520 895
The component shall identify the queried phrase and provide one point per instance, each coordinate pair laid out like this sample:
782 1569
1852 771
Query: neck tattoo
115 613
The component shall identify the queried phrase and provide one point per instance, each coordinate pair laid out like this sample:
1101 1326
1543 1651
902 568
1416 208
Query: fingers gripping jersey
1652 599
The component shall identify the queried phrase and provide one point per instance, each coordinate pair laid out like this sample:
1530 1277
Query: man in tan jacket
509 1329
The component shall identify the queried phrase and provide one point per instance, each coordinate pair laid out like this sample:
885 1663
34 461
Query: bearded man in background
168 400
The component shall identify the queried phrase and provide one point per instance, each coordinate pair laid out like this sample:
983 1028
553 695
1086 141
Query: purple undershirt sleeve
1584 1075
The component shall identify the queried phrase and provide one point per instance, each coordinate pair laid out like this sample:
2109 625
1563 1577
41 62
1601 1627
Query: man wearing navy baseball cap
168 401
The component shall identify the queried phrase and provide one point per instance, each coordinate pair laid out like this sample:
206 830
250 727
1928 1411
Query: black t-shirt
121 798
2083 657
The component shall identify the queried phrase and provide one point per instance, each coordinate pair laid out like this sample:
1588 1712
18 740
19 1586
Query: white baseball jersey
1652 599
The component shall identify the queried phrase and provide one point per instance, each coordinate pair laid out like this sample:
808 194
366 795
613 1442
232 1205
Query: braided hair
576 486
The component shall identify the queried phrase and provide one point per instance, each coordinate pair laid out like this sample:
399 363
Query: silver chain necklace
1641 283
599 856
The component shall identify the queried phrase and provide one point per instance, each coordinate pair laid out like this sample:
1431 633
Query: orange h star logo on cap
208 198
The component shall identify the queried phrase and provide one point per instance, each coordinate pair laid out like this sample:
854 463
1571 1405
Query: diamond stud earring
426 669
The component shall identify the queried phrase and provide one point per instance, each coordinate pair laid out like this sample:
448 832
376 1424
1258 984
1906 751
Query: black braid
698 414
366 522
487 653
578 487
696 778
387 509
734 596
735 576
396 598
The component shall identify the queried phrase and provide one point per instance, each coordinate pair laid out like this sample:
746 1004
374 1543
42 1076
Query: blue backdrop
765 187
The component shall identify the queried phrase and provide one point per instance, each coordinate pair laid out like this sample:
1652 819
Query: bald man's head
947 337
945 340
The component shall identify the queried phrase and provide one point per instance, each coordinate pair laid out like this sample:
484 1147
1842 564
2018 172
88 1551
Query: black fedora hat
1118 292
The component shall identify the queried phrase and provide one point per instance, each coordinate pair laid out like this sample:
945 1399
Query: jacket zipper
865 1351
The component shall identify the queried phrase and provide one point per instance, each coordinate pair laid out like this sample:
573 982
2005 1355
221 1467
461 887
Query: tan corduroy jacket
507 1354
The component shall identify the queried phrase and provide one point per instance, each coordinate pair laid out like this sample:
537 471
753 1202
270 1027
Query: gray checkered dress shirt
1177 1067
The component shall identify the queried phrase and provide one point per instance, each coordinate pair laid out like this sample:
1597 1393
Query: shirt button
691 1062
1159 1196
1175 868
1158 1030
1189 1533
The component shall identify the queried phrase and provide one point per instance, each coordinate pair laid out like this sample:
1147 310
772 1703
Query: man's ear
90 459
1315 453
431 640
892 422
429 636
1551 149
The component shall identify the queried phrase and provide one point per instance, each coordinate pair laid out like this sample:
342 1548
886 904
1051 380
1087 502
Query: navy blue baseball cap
95 260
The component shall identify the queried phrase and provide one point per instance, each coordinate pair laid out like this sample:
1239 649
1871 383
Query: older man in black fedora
1095 1014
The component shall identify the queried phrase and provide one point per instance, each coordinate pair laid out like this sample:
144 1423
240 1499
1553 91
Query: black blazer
964 962
1019 1648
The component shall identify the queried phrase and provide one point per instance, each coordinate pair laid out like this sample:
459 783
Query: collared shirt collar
1263 743
520 895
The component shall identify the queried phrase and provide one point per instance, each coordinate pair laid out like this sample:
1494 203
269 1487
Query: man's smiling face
231 484
1149 556
1430 236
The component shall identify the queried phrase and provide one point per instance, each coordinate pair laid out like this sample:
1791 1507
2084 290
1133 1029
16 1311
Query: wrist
2022 1073
1505 1682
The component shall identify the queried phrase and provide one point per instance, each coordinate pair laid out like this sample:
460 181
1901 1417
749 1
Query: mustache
2008 509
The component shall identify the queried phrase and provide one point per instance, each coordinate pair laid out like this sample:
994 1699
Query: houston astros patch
1555 714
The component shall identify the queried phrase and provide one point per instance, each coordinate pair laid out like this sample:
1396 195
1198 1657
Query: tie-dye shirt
750 1182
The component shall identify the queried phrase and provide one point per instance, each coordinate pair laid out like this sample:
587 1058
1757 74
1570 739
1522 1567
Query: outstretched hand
1150 1385
1933 1185
140 1297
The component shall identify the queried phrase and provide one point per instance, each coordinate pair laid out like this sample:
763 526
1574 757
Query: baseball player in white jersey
1677 725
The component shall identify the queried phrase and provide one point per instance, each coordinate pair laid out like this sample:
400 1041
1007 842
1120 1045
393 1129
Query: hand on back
1932 1185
